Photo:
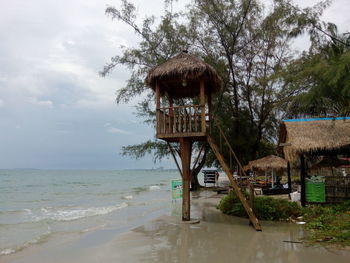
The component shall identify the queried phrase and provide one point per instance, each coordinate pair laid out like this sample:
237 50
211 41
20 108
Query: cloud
50 56
59 50
118 131
43 103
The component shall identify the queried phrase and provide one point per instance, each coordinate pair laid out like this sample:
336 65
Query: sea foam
7 251
154 188
75 214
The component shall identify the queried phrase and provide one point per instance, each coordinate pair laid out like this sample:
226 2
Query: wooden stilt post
289 178
272 178
185 151
302 180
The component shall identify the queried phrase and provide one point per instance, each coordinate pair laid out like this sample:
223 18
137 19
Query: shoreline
165 238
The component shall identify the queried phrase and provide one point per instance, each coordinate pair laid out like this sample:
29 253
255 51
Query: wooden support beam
302 180
185 150
248 209
289 178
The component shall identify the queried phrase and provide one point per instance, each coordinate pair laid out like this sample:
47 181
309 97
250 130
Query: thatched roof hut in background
268 162
187 68
319 136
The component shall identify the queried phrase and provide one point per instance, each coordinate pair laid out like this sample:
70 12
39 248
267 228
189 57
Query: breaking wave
75 214
38 240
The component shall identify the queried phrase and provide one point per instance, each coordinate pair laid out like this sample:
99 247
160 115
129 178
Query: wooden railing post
202 104
171 115
302 180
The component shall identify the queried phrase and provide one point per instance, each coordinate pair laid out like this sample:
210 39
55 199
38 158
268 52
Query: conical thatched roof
179 76
314 135
267 162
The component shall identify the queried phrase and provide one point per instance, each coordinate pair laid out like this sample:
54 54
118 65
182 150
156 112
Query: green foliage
158 149
268 208
329 223
265 208
231 205
321 77
245 41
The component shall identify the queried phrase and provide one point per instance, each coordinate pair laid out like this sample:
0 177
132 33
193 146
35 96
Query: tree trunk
194 173
194 180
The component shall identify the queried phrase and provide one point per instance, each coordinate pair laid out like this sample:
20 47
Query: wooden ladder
254 221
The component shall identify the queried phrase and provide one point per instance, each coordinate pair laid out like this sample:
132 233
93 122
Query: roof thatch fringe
268 162
184 67
313 136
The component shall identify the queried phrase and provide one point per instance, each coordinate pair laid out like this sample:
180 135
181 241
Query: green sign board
176 189
315 189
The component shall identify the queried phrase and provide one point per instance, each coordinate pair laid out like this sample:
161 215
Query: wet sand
217 238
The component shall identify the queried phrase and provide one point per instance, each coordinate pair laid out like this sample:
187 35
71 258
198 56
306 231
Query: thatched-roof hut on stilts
187 77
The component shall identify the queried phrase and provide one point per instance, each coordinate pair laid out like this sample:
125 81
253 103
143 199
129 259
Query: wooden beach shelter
271 163
184 86
302 138
268 162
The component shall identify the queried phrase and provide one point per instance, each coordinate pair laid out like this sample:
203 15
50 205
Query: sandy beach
217 238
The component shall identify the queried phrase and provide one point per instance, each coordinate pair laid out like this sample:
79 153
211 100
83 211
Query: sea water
37 205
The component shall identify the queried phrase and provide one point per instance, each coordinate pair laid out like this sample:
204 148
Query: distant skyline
56 112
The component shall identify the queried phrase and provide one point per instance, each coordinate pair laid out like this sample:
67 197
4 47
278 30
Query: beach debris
292 241
325 239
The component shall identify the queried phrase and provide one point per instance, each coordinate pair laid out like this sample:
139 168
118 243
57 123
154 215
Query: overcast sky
55 110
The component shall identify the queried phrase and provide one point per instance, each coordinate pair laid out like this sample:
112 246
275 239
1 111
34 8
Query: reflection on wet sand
216 239
221 238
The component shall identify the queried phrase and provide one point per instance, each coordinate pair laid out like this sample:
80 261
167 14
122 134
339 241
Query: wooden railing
181 120
227 165
225 148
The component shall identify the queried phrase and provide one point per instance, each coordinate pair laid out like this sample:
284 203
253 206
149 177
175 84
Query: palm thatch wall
267 162
314 136
179 76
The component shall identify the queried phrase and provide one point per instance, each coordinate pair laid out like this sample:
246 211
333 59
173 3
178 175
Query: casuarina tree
247 43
